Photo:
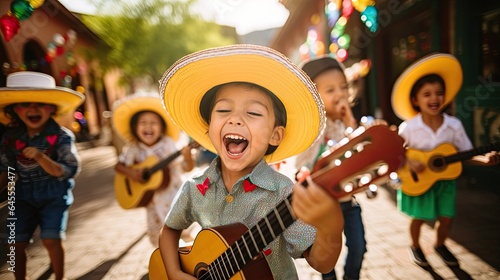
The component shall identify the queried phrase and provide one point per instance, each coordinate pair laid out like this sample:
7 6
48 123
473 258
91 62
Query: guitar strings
218 269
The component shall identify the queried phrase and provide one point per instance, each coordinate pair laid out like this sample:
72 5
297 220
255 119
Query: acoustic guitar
234 251
442 163
132 194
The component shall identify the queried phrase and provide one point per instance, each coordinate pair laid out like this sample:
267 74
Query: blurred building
408 30
54 41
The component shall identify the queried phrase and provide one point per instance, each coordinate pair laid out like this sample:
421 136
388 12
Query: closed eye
223 111
255 114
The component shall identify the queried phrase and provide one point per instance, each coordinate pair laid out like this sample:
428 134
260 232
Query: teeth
235 137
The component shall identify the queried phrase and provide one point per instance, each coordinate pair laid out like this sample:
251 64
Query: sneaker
418 257
446 255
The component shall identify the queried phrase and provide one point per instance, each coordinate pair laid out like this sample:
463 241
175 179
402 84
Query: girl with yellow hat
141 121
43 157
420 96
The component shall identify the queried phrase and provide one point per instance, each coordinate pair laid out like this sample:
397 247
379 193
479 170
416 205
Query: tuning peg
349 187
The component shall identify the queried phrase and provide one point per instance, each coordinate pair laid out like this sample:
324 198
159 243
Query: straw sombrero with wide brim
37 87
444 65
185 83
125 108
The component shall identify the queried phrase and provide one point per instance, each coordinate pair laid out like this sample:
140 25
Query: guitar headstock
367 157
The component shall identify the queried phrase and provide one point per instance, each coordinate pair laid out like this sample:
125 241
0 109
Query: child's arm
131 173
315 207
415 165
489 159
188 163
50 166
169 247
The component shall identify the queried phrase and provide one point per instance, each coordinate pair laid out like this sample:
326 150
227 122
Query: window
490 48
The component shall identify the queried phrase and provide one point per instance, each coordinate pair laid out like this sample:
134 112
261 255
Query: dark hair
280 116
317 66
427 79
135 118
15 120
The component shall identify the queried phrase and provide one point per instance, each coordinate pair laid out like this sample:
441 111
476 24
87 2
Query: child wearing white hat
43 156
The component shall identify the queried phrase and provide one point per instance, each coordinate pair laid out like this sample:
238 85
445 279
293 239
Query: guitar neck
165 162
254 240
465 155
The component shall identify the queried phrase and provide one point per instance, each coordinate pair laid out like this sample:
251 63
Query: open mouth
434 106
235 144
34 119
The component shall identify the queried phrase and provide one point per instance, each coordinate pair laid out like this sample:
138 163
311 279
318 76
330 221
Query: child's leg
154 224
56 254
20 271
54 219
415 226
443 230
355 239
416 253
445 209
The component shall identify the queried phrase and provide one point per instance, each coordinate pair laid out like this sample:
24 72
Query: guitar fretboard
252 242
471 153
166 161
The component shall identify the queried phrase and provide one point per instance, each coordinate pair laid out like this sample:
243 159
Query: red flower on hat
248 186
203 187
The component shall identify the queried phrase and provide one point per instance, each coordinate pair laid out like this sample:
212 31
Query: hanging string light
337 14
19 10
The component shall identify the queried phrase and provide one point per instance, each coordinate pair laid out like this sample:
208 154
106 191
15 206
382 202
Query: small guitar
234 251
132 194
443 163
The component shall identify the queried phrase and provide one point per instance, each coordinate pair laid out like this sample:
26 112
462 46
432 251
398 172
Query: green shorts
438 201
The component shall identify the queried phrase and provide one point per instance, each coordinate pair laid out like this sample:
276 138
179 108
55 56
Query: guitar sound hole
200 270
146 175
437 163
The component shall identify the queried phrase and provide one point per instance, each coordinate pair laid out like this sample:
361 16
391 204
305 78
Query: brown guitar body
208 245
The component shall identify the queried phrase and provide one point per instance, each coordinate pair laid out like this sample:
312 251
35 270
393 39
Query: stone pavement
107 242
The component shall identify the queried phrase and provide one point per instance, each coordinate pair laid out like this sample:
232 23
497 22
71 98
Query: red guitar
233 251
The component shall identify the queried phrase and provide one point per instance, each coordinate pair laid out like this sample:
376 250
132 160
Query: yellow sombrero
444 65
37 87
125 108
185 83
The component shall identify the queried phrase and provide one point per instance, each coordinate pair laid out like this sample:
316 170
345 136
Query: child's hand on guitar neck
489 159
314 206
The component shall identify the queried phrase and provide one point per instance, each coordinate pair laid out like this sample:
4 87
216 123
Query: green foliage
147 36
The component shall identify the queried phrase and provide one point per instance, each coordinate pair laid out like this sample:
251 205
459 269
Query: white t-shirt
418 135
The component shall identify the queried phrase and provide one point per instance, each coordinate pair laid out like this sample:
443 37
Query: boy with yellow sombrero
44 157
141 121
419 97
251 106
